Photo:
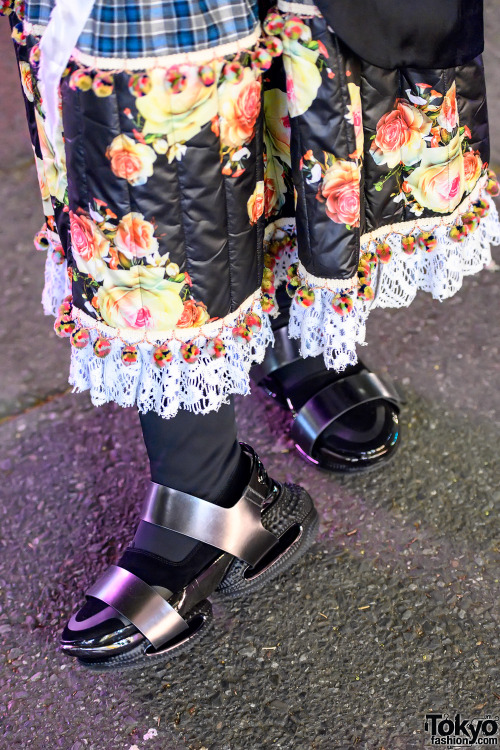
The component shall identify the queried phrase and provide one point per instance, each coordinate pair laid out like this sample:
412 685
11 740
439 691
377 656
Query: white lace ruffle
440 272
208 382
57 285
282 229
319 327
199 387
322 330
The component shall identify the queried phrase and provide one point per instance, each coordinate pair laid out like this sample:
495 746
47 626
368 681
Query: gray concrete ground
393 613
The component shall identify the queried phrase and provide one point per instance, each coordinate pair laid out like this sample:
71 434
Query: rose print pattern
90 246
174 105
140 297
122 266
472 169
127 283
448 115
171 162
400 136
130 160
239 108
438 183
26 80
340 191
135 237
277 125
302 61
277 161
354 117
54 161
424 147
44 187
255 204
338 188
173 113
193 314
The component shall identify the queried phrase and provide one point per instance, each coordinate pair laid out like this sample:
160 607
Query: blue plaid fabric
144 28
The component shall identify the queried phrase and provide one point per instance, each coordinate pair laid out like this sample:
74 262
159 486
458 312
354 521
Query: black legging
195 453
199 453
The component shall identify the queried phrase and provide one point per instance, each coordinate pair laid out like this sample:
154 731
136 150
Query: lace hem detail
197 369
299 9
57 285
440 272
329 317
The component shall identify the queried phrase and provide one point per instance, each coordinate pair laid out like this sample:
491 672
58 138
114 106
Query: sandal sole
346 470
340 469
284 561
139 658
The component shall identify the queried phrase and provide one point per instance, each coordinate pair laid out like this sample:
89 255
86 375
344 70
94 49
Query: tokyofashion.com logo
443 729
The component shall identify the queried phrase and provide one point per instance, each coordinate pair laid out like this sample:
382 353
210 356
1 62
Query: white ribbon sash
67 22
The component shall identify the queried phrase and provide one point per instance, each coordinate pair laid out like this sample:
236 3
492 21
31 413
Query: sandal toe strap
336 399
136 600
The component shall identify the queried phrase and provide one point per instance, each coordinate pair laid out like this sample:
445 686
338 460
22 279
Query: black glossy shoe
343 423
148 609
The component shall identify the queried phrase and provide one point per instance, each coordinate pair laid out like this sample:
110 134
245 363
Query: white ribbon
67 21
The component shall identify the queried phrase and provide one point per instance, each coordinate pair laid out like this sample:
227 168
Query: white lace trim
207 383
440 272
197 57
57 285
281 229
133 336
33 29
299 9
322 330
199 387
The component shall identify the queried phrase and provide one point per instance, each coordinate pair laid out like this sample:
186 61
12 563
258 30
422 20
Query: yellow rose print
140 298
177 116
303 78
439 183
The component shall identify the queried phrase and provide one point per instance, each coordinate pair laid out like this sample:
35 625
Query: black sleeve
408 33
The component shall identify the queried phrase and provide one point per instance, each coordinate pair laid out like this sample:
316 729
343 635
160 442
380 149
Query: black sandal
350 424
264 533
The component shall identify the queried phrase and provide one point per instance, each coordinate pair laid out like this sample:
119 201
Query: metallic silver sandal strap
140 603
237 530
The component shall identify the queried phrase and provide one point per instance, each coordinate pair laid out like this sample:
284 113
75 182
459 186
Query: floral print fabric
367 147
391 191
175 193
130 261
422 143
